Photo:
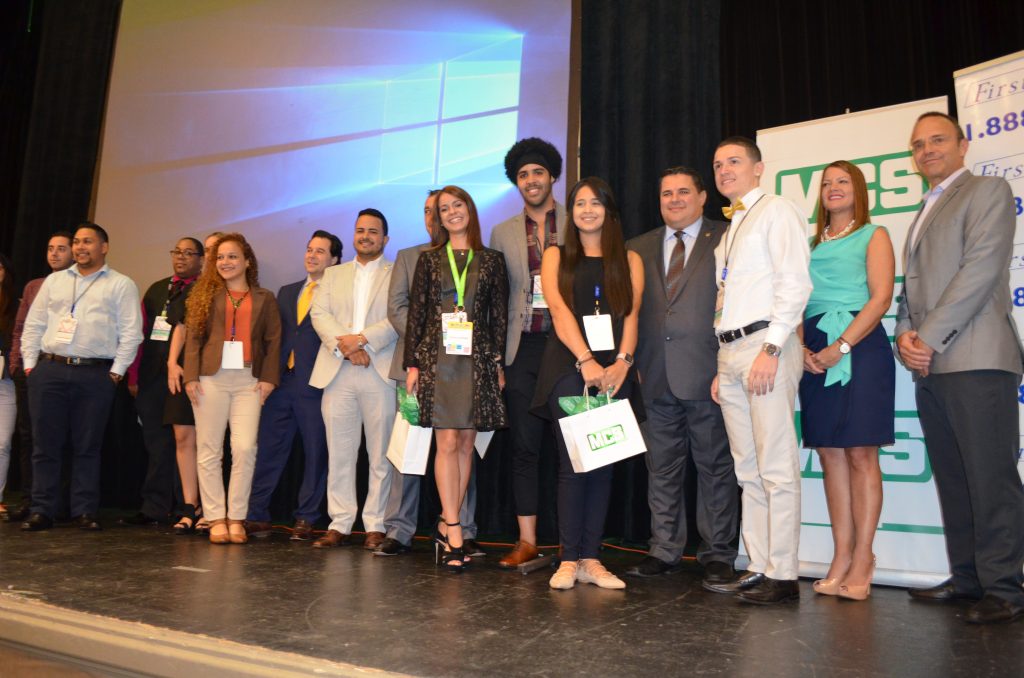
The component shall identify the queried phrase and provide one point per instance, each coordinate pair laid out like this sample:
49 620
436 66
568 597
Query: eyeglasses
184 253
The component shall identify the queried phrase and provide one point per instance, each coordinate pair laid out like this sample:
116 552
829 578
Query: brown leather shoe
302 530
373 541
236 531
331 539
258 528
521 553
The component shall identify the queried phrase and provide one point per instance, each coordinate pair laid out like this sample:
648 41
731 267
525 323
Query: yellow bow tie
728 211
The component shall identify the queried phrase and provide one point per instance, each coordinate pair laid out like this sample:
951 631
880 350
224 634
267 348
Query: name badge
459 338
447 319
538 294
232 357
66 330
598 329
161 329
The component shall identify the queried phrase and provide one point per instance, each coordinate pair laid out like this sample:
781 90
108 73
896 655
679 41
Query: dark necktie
676 263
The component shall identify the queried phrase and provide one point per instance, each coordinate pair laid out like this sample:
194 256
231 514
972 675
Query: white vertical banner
990 108
909 543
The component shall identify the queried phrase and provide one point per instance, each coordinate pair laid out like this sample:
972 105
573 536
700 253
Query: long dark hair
440 238
8 300
617 284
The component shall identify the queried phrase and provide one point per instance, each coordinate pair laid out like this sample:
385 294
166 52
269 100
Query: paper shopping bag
409 447
602 436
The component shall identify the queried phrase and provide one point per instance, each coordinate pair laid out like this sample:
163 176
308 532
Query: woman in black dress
592 274
459 292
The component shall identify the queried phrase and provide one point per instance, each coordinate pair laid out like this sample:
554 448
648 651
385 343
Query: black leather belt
733 335
71 360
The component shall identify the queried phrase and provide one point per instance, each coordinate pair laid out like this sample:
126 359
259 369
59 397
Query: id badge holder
446 320
161 329
460 338
66 329
538 294
232 357
598 329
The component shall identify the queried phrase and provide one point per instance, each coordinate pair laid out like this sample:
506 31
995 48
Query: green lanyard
460 280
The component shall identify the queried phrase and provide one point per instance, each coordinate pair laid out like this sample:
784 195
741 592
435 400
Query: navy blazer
295 336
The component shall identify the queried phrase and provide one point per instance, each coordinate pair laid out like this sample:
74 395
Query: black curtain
806 60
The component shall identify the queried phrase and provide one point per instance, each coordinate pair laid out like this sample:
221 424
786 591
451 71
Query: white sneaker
565 577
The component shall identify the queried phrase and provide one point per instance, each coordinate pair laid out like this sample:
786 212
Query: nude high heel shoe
858 591
828 587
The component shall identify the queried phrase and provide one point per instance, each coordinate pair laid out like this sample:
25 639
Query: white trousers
358 401
762 437
8 416
229 397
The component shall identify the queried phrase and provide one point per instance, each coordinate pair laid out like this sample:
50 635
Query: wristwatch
771 349
625 357
844 346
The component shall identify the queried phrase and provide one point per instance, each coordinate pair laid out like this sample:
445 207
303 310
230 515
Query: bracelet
580 363
579 358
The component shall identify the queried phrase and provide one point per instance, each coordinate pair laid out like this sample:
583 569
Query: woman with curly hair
232 349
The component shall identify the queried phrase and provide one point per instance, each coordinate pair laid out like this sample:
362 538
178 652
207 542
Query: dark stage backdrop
662 82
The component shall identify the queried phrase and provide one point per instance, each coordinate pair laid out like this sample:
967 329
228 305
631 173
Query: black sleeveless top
558 361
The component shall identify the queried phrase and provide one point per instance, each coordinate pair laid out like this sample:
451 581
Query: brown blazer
203 357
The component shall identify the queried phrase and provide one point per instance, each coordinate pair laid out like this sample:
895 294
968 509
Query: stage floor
402 614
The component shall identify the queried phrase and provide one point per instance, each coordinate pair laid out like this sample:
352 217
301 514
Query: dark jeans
583 498
159 487
68 403
526 429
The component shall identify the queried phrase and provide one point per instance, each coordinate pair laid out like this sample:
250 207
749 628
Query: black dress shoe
22 513
993 610
717 572
140 519
87 521
745 581
472 548
941 593
36 522
771 591
652 567
390 547
302 530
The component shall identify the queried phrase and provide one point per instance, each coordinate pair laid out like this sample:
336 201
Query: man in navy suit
294 406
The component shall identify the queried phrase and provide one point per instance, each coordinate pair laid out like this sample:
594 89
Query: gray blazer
398 301
677 349
956 288
509 238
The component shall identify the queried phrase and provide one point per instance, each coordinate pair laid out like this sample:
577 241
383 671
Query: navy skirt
860 414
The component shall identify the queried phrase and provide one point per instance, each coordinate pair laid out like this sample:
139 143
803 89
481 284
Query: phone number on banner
995 126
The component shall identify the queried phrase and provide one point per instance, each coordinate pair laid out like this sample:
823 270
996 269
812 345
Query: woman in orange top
232 363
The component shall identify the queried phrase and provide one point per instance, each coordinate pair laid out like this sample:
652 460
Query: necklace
827 236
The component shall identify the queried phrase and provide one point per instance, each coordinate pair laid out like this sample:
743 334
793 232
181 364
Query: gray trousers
677 431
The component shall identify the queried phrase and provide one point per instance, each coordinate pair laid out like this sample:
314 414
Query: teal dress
852 404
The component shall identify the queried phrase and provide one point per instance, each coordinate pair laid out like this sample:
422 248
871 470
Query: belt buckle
74 361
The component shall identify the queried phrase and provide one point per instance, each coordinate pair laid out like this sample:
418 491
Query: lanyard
181 284
460 280
728 244
234 310
597 300
75 296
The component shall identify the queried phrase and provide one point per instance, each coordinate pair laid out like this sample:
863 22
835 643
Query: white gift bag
602 436
483 440
409 447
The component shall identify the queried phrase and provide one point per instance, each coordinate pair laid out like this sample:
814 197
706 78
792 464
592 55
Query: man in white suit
350 314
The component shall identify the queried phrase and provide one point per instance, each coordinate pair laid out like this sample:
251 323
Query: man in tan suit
350 314
955 332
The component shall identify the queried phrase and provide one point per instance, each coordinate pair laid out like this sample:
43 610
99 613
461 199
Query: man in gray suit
677 360
400 514
955 332
534 166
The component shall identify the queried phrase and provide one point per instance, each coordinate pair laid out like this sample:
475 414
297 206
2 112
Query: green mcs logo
892 183
606 437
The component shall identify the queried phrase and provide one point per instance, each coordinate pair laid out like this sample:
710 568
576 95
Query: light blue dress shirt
690 234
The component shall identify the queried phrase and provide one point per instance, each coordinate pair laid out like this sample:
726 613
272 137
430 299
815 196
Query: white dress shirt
107 310
690 234
361 288
768 262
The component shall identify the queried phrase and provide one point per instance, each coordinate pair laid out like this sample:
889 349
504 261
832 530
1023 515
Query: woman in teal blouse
848 390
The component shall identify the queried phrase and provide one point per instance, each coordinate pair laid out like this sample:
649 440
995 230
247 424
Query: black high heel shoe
453 559
189 517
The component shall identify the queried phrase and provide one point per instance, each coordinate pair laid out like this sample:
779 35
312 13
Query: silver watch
771 349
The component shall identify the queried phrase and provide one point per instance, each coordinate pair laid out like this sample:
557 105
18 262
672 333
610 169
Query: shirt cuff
777 334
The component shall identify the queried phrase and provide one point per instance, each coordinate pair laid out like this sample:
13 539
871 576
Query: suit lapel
700 249
940 203
378 280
